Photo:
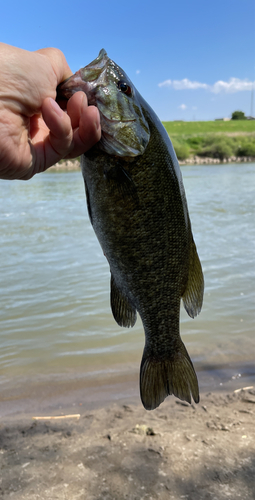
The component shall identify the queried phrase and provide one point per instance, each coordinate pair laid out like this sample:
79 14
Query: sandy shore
197 452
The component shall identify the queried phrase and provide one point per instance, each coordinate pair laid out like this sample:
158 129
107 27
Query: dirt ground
197 452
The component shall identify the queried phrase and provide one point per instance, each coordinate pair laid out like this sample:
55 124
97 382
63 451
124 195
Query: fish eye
124 87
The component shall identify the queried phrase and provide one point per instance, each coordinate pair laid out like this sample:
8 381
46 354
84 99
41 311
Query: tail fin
162 377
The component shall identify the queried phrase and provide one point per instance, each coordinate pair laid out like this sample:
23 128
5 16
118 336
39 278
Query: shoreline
67 391
71 165
123 452
198 160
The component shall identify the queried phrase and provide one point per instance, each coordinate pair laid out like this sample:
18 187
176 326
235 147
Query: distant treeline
218 139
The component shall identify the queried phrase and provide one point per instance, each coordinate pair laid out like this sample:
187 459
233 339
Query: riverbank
198 160
56 323
204 143
67 165
196 452
193 160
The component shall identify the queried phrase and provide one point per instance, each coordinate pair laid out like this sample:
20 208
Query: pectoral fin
193 295
120 179
88 202
123 311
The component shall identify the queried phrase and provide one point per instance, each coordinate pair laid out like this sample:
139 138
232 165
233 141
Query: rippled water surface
56 324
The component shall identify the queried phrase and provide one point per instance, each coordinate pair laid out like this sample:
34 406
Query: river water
59 341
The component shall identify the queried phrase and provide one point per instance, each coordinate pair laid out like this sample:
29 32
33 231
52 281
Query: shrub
181 149
195 143
246 148
217 147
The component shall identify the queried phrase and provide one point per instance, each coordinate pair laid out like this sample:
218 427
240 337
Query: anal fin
123 311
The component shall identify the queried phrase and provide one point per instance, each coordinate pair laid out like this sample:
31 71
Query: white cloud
183 84
138 71
182 106
232 86
166 83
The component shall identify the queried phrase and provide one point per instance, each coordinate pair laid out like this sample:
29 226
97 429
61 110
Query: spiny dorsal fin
161 377
123 311
193 295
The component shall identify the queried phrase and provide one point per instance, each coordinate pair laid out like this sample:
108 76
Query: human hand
35 132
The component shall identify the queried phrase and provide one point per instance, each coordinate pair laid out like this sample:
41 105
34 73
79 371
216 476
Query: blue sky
175 52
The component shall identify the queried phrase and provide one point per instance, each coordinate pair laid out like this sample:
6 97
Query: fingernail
56 107
97 121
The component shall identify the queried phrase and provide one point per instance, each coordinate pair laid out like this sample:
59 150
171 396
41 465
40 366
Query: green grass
216 139
215 127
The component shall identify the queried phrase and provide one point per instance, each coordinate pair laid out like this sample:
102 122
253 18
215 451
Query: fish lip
92 79
94 70
82 79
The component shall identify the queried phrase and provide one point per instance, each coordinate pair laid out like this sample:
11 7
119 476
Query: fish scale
138 209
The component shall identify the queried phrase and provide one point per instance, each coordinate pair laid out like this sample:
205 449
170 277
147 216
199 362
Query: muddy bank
197 452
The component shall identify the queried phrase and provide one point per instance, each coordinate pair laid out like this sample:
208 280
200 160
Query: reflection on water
55 313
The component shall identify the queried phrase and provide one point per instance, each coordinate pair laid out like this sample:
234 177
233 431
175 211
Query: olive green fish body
138 210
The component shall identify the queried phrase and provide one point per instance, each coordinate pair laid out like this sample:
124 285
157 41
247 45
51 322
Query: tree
238 115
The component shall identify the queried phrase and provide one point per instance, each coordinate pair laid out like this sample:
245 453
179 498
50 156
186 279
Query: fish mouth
93 70
86 79
123 131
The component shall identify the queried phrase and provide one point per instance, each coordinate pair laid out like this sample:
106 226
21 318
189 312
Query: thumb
58 63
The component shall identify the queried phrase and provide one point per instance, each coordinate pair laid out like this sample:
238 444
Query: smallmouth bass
137 207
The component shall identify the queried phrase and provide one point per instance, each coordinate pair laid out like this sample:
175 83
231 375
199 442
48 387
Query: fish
137 206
